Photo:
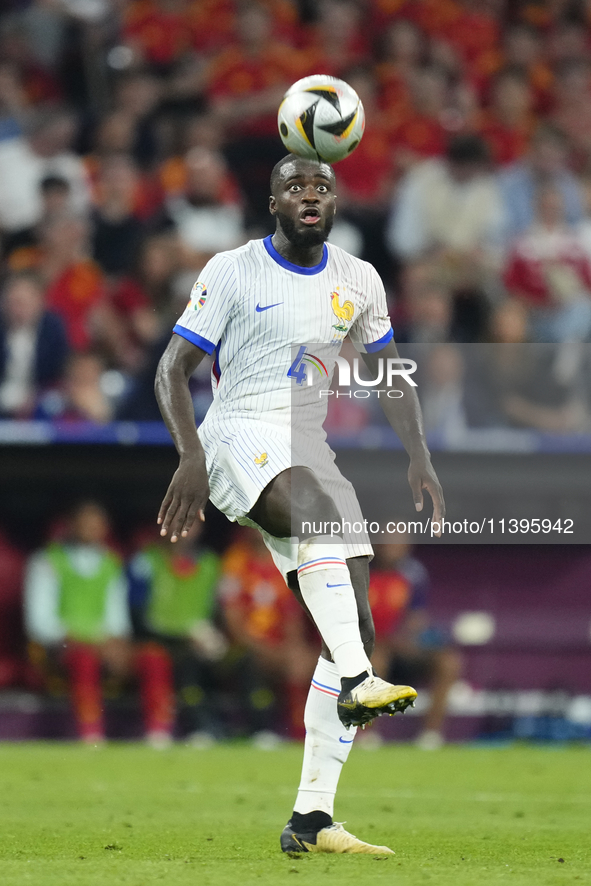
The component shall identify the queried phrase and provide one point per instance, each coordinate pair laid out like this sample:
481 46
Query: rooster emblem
261 460
344 313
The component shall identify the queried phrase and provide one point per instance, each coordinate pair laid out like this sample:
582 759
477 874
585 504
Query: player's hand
185 499
422 476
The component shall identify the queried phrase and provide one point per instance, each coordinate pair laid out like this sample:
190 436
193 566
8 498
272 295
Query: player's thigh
293 497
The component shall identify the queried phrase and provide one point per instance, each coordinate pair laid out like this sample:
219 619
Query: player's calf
326 588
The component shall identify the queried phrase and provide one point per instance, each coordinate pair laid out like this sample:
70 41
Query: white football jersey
261 315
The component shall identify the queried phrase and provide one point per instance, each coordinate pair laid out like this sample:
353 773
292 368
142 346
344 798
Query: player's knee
313 511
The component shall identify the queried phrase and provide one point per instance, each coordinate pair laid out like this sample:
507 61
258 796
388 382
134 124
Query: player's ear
272 205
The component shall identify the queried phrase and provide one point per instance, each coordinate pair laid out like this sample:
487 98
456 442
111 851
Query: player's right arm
198 330
189 488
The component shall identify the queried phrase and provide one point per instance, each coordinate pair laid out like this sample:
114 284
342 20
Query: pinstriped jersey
250 307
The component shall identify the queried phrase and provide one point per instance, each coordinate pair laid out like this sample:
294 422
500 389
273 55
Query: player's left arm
405 417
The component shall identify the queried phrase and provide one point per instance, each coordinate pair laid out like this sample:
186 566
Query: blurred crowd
137 137
215 645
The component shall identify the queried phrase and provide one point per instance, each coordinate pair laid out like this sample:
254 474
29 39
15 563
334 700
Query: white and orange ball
321 118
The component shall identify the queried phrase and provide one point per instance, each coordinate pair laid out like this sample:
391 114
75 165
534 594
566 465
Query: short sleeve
372 330
212 299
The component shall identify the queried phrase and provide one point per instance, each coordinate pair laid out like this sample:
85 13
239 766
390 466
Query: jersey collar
289 266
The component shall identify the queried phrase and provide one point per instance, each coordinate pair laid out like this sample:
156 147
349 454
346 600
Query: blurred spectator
508 323
19 50
81 396
244 85
401 49
172 598
366 178
452 203
137 95
21 249
76 286
472 26
139 402
545 163
511 382
507 125
76 614
56 196
117 231
348 415
246 81
161 32
572 112
26 161
12 665
409 649
427 306
13 100
33 345
584 228
336 40
74 283
152 281
450 209
274 657
208 215
550 271
442 392
114 134
567 41
185 80
421 132
199 131
522 47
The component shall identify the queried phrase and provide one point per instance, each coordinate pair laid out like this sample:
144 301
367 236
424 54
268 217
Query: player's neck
304 256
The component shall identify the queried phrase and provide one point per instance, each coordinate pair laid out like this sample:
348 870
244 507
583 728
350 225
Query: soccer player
262 458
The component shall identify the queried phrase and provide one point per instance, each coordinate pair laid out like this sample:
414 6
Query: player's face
304 203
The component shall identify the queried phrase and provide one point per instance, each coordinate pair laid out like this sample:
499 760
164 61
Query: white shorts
243 455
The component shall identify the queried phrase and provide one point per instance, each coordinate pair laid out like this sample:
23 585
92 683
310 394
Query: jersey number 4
297 369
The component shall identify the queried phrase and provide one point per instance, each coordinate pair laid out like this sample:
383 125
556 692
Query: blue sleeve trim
195 339
380 343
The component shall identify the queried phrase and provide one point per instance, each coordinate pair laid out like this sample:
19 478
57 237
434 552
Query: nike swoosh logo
337 586
346 741
260 308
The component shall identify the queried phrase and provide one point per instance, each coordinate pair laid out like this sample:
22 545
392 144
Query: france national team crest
198 295
343 311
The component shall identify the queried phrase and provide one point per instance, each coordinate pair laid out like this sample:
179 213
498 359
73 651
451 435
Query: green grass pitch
126 814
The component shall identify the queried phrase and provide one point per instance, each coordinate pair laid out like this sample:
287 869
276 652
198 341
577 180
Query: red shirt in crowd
394 592
546 267
252 584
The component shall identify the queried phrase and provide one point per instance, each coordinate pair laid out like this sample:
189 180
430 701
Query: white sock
327 743
326 587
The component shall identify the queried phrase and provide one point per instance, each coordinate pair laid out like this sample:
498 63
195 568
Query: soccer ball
321 118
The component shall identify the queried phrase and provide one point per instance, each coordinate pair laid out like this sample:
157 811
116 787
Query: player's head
302 199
